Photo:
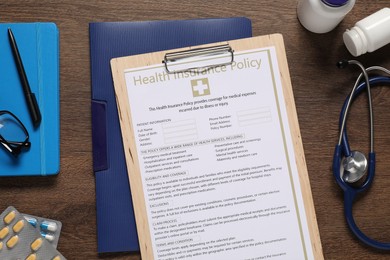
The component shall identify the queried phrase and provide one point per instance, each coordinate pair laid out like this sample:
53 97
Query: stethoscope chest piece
353 167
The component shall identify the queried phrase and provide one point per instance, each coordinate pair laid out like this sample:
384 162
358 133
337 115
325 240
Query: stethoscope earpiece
342 64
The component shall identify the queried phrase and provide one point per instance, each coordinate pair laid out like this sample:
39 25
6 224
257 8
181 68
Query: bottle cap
335 3
354 42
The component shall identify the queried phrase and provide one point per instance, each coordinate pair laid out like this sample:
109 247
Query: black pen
30 97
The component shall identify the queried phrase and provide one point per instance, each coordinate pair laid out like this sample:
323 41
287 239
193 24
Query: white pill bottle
322 16
369 34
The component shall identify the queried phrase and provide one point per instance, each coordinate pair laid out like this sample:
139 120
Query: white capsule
49 226
48 237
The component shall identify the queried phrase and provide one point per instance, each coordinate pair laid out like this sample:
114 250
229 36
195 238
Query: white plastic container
369 34
322 16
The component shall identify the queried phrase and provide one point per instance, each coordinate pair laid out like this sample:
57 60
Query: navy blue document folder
116 227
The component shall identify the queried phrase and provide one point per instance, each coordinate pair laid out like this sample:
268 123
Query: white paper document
217 161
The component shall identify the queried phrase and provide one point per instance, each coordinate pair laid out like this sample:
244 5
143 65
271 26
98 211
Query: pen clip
34 110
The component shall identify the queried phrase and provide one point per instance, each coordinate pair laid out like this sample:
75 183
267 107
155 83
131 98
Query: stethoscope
350 166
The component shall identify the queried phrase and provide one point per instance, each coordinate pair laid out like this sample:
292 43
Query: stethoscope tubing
343 149
374 81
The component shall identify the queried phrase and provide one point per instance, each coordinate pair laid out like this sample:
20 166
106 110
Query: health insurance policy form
217 161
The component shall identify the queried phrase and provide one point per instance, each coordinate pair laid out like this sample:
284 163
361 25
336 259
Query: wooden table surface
319 90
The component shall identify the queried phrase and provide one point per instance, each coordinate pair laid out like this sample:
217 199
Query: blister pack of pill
20 240
50 229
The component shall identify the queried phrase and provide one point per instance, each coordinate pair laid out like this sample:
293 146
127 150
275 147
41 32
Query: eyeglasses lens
10 129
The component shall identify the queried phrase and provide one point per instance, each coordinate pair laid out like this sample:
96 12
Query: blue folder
116 227
38 46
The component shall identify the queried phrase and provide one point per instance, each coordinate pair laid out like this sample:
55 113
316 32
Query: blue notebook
39 50
116 227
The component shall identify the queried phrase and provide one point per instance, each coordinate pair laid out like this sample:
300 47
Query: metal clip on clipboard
208 57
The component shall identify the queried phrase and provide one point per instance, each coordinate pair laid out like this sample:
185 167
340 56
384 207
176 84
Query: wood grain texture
319 90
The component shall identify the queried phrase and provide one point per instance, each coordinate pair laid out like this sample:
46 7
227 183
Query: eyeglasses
13 134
